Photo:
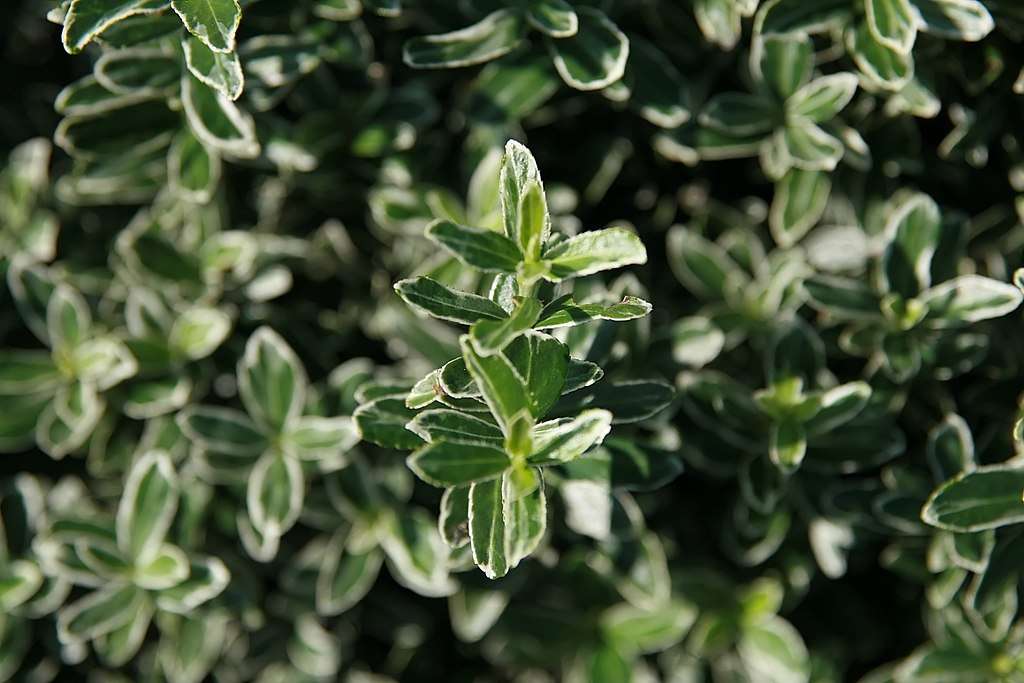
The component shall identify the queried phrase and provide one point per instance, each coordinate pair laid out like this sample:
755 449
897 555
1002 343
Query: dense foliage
512 340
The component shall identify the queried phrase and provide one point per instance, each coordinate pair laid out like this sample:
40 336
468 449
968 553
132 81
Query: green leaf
628 401
417 556
659 92
19 581
564 440
137 71
883 66
810 148
518 177
451 463
68 320
198 332
741 114
222 430
799 202
318 438
969 299
451 425
719 21
773 650
207 578
595 57
787 444
193 171
564 312
913 231
488 530
216 121
635 631
147 507
822 99
839 405
168 567
214 22
696 341
274 493
441 302
346 575
86 19
950 448
493 36
271 380
490 337
103 362
556 18
783 63
526 516
383 421
483 249
543 362
27 371
99 612
701 265
219 70
893 23
984 498
967 20
502 386
844 298
384 8
797 16
592 252
120 645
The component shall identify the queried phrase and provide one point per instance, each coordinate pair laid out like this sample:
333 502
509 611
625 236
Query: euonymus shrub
307 375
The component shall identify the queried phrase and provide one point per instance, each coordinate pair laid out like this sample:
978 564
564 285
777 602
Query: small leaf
636 631
274 493
783 63
26 372
219 70
318 438
950 448
382 422
147 506
562 441
822 99
214 22
741 114
453 522
346 575
483 249
969 299
799 202
556 18
564 312
984 498
99 612
490 337
271 380
441 302
488 532
86 19
493 36
893 23
216 121
844 298
592 252
787 444
452 425
595 57
199 331
450 463
501 385
967 20
222 430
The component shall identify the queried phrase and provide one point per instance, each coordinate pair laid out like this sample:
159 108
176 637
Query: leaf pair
273 431
780 122
588 50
